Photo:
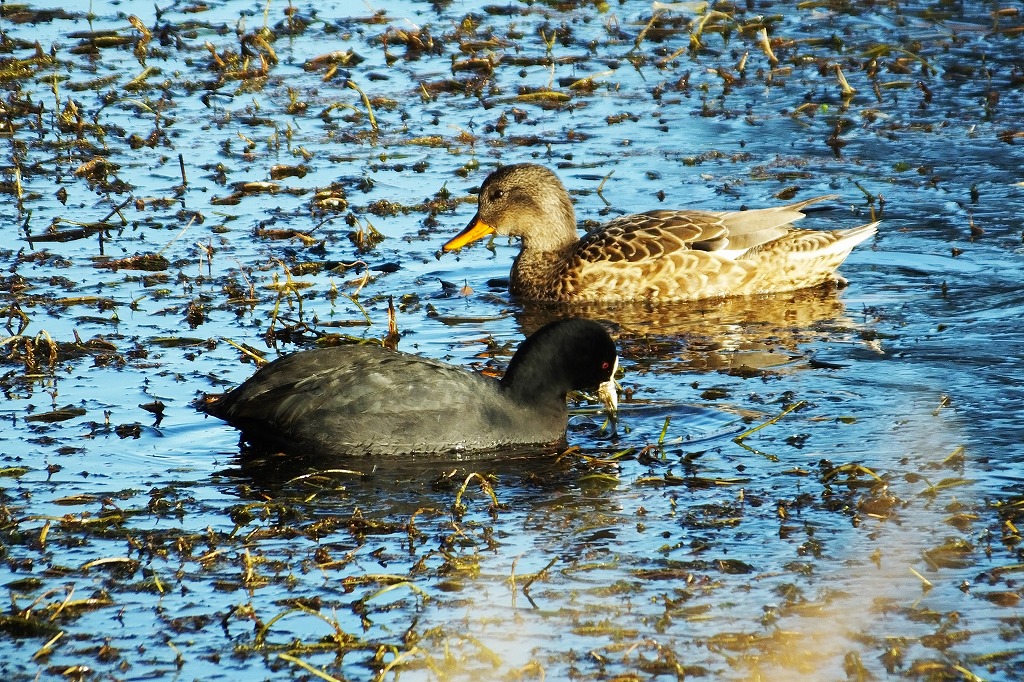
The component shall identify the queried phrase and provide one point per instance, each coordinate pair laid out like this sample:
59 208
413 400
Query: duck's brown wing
651 235
658 254
655 234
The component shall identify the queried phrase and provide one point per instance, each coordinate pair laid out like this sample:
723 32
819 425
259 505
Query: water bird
663 255
370 400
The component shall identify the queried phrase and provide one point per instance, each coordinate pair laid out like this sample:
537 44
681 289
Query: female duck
665 255
368 400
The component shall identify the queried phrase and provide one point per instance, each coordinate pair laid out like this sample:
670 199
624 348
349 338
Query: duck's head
526 201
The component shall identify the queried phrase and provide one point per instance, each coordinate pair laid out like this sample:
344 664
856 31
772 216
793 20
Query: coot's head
566 355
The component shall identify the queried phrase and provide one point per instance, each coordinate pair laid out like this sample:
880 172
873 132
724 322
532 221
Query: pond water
184 181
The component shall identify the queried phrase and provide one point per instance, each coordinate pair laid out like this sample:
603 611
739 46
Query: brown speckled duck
660 255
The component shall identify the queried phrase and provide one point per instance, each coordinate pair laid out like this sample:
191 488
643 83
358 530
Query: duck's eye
497 195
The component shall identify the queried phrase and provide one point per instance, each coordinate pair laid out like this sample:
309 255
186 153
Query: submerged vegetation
813 485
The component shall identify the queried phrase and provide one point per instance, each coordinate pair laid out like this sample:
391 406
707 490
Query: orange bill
477 229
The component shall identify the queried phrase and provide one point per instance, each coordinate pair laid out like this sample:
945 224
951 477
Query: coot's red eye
605 365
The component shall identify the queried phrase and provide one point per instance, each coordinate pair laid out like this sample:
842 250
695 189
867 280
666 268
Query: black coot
368 400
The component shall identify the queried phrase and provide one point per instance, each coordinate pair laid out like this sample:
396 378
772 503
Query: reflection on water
730 334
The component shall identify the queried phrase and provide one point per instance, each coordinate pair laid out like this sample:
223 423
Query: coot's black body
368 400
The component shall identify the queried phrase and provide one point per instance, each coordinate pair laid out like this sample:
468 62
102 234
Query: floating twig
643 32
308 668
533 578
366 103
47 648
766 45
176 237
795 406
600 188
845 87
